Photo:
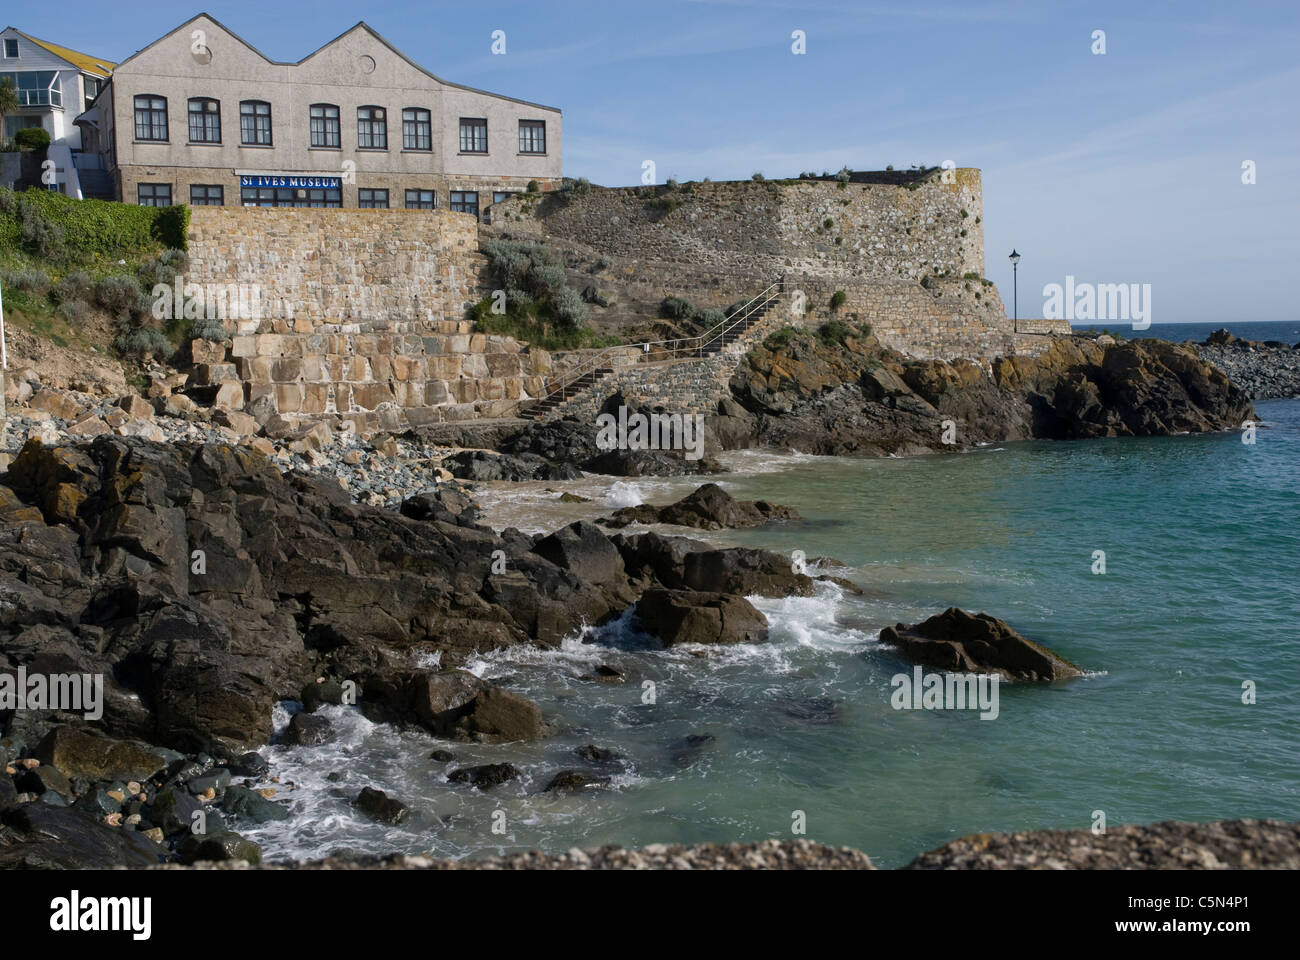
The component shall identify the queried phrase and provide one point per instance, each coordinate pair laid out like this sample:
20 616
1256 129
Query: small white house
54 85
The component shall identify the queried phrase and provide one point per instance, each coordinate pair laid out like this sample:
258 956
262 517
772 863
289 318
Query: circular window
366 63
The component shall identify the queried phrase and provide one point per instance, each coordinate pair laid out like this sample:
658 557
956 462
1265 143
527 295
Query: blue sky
1118 168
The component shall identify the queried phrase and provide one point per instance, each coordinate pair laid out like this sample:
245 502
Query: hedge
94 227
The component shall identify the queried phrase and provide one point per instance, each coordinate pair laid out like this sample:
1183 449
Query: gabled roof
361 25
96 66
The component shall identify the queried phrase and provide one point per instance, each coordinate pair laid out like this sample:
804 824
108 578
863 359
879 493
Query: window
91 86
372 129
421 200
207 195
255 123
372 199
532 136
325 125
151 118
155 194
11 49
205 120
473 135
290 197
500 195
417 132
464 201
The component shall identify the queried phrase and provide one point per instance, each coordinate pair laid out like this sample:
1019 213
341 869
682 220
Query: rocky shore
1219 845
1264 370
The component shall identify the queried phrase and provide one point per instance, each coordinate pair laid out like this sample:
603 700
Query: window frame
205 112
155 187
419 201
532 124
373 199
474 123
456 206
153 113
255 116
17 54
206 200
325 119
370 123
416 122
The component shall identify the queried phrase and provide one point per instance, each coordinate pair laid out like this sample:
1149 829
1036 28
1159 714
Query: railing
657 350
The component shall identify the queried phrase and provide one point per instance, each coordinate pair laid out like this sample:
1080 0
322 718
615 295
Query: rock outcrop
857 397
708 508
977 643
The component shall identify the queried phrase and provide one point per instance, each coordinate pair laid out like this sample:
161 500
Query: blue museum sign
299 183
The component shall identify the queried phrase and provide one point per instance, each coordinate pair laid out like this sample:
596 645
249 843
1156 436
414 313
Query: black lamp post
1015 290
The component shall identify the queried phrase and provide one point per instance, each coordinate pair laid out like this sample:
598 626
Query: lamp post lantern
1015 289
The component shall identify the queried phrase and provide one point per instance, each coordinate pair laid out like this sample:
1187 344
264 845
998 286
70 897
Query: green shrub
828 223
675 308
570 311
208 328
838 299
843 175
118 294
34 281
781 338
73 312
533 187
547 279
32 138
143 340
711 317
757 177
78 285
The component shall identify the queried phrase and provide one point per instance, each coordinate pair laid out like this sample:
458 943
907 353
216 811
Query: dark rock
708 508
216 782
251 805
251 764
307 730
604 674
442 756
380 807
680 616
977 643
79 753
649 463
499 716
688 749
36 836
448 503
583 548
595 754
172 810
221 845
575 780
485 776
44 778
314 695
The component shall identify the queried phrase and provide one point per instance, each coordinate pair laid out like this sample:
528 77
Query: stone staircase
578 387
95 184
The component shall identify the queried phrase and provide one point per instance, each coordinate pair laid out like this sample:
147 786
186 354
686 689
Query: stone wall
819 228
908 257
338 267
365 323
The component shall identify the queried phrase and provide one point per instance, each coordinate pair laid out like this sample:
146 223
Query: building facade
202 117
54 84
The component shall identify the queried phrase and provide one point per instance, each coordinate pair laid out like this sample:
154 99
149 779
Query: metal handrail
677 350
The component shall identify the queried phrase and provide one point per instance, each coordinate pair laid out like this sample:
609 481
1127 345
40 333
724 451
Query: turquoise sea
1200 595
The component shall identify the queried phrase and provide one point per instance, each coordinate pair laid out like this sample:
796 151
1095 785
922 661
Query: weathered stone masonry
373 329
